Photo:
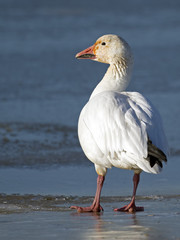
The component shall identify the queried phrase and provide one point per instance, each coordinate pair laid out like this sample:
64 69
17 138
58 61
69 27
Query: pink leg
131 207
95 207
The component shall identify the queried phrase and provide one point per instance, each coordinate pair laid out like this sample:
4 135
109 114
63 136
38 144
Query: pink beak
87 53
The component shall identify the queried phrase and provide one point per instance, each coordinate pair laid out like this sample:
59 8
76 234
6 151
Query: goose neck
116 78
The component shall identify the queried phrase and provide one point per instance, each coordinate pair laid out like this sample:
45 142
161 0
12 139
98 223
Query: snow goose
116 127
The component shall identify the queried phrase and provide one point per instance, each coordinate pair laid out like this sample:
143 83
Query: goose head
108 49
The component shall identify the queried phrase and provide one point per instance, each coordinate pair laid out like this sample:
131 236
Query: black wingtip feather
155 155
154 160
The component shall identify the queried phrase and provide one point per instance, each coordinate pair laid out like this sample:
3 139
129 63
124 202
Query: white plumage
114 129
118 128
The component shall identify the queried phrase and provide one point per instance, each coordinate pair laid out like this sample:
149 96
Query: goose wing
126 122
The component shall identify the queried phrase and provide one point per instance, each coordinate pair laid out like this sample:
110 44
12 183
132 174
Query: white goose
117 128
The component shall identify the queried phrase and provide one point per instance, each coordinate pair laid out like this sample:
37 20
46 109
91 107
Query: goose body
118 128
114 129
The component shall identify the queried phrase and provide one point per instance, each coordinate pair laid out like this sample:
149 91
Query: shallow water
35 204
45 217
43 88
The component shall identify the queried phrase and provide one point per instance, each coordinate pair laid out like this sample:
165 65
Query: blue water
42 91
43 86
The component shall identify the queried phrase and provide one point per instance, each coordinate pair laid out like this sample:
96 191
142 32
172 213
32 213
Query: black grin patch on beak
86 56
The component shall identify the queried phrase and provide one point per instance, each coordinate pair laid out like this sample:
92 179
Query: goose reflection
118 226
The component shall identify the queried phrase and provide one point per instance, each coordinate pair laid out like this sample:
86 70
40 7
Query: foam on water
16 203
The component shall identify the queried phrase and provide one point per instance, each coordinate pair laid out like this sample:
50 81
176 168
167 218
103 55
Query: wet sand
154 223
35 204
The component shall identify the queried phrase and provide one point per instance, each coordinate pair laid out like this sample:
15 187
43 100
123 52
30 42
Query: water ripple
25 203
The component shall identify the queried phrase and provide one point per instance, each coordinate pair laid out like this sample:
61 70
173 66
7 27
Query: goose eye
103 43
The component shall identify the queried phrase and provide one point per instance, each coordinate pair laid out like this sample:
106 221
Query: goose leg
131 207
95 207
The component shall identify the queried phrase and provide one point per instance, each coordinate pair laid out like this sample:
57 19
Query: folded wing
126 122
